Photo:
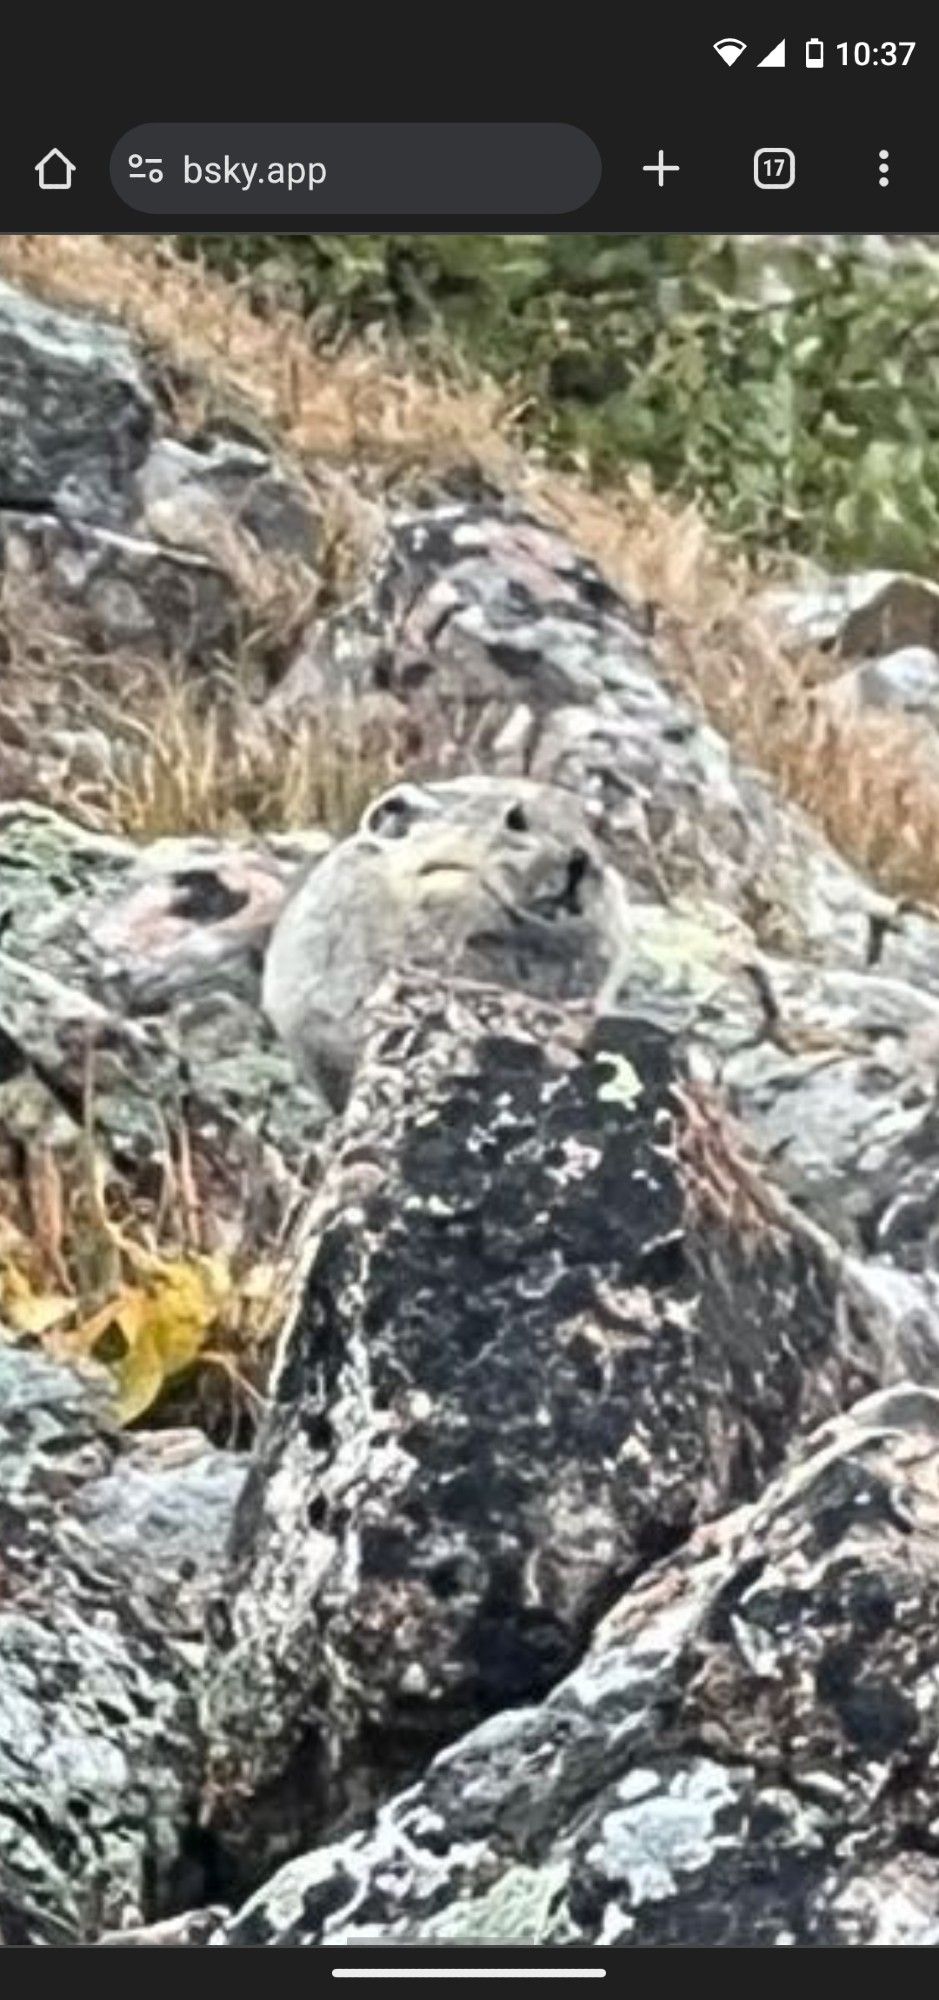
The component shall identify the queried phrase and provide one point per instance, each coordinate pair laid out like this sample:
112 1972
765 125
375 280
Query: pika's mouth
443 871
561 897
578 868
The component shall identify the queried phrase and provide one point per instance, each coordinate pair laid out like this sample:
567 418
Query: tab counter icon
774 167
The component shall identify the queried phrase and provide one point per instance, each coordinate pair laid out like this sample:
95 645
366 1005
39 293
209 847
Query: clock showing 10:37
864 55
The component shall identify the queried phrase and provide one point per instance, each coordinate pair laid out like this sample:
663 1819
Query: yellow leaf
180 1309
157 1329
139 1376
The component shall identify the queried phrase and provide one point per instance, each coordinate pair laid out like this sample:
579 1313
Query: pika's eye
516 819
391 817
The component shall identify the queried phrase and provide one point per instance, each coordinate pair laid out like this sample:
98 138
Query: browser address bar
356 169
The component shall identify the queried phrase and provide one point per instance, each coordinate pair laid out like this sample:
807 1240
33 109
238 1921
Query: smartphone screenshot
469 1005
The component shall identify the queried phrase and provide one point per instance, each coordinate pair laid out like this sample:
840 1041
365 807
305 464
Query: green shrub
790 387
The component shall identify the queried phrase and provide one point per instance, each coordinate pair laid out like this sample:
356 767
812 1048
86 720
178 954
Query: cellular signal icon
729 49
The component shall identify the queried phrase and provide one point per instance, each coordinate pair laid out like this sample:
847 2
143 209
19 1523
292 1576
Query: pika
496 879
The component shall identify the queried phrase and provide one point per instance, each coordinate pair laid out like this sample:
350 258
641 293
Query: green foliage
790 386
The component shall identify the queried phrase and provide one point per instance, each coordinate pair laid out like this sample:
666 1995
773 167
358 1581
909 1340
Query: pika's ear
394 814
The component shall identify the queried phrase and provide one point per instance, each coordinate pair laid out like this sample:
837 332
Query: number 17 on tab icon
774 167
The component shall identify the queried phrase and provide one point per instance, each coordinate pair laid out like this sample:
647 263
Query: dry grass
189 766
182 756
181 751
864 778
334 407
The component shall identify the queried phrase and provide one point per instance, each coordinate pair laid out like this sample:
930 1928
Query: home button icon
54 170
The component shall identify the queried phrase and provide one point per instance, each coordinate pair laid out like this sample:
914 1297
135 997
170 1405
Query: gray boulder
858 616
130 540
200 499
138 971
746 1757
832 1072
468 609
101 1621
76 416
905 682
120 589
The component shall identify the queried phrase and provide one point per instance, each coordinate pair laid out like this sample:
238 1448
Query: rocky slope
577 1585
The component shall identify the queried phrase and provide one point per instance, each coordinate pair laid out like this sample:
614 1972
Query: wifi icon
729 49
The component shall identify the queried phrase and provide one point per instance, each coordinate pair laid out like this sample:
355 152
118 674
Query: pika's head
505 854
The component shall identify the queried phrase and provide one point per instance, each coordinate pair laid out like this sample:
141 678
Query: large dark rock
747 1756
858 616
76 416
551 1319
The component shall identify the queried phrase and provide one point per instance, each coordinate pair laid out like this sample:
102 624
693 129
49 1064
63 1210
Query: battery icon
814 54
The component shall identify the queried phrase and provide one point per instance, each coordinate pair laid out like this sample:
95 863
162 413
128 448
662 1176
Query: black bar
516 159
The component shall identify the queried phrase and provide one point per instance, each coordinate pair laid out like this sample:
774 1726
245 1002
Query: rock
134 541
509 652
169 1500
876 611
100 1643
681 818
199 499
904 611
497 879
122 590
141 973
151 920
467 609
746 1757
832 1072
192 1927
76 416
907 680
552 1317
194 913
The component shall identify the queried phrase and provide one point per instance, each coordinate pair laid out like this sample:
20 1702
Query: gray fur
495 879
